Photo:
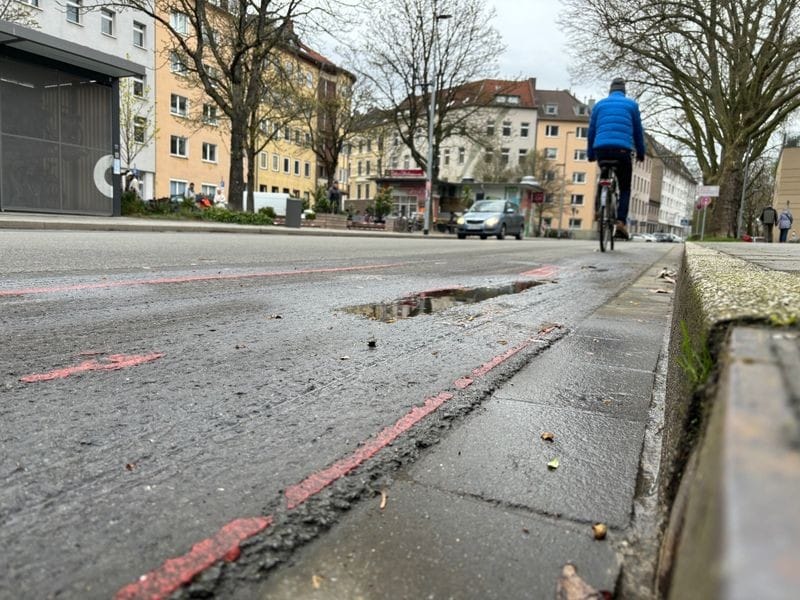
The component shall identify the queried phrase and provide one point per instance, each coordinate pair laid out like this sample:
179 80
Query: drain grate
425 303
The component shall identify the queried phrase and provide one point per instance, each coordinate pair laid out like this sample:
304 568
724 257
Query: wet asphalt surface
265 378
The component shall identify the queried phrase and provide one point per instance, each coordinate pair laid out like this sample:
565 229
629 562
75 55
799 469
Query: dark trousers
624 176
768 233
784 235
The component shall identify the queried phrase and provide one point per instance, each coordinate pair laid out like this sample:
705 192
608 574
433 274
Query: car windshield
488 206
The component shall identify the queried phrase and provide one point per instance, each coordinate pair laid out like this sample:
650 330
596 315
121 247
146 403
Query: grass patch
696 363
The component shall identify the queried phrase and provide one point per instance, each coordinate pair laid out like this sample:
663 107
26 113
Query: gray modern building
59 124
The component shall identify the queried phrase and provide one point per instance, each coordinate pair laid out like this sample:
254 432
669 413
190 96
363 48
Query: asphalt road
156 386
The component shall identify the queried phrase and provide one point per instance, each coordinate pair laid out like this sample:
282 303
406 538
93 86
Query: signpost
706 193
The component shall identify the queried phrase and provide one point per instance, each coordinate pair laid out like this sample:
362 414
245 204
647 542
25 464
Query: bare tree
717 76
137 126
416 44
17 12
223 48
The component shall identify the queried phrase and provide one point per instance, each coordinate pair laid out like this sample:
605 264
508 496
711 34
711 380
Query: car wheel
502 233
483 236
520 233
462 236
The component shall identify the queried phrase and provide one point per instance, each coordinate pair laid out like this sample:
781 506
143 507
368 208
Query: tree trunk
238 133
251 181
725 209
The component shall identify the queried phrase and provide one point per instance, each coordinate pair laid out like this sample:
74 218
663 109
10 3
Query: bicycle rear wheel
605 226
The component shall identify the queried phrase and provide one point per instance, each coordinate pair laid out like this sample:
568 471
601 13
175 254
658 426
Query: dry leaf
502 342
553 464
316 581
383 499
548 437
130 466
571 587
372 343
599 530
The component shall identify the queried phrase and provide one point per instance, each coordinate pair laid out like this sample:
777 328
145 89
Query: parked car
491 217
642 237
661 236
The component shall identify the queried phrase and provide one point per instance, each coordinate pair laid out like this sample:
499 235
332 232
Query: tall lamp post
431 119
531 186
564 182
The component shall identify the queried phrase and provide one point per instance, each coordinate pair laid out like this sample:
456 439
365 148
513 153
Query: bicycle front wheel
605 226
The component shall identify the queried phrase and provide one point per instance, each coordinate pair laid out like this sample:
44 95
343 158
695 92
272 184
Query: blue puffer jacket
616 123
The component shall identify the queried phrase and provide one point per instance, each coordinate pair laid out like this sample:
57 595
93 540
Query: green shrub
268 211
132 204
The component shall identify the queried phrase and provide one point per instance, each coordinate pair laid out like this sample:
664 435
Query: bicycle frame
607 206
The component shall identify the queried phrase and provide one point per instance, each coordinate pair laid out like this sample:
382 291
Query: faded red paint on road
160 583
297 494
186 279
114 363
175 572
545 271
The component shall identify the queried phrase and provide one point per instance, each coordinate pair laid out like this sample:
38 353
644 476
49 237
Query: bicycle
606 204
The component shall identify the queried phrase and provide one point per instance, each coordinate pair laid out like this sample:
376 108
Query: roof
496 92
321 61
567 106
36 43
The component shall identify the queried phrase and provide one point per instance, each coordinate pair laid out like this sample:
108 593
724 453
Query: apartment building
787 179
561 135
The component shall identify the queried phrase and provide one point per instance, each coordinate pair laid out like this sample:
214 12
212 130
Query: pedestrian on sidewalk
768 218
785 223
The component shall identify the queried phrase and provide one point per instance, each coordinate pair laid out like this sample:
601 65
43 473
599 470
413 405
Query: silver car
491 217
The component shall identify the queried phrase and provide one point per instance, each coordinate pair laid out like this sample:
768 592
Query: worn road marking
114 363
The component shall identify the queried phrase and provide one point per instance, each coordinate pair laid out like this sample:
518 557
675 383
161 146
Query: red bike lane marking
175 572
545 271
114 363
186 279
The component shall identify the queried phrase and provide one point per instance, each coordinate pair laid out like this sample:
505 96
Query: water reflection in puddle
432 301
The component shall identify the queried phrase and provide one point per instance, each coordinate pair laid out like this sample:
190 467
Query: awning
37 43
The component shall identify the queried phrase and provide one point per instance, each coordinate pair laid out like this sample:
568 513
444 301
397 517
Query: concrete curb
732 437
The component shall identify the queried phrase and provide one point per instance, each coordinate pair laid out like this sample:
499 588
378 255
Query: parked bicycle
606 204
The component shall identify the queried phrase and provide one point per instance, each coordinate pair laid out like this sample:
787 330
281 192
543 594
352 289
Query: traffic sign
708 190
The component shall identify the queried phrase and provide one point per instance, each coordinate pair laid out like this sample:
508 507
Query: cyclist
615 129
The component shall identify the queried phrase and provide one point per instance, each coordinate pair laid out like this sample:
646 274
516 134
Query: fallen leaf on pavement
548 437
502 342
383 499
599 530
130 466
316 581
372 343
553 464
660 291
571 587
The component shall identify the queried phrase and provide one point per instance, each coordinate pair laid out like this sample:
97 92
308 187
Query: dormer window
551 109
582 110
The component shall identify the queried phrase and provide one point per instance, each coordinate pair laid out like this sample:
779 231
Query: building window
139 35
139 129
523 152
276 162
462 153
506 128
582 110
582 132
177 187
578 177
263 160
550 175
297 136
505 154
523 129
287 165
209 152
176 64
107 21
369 145
490 128
358 191
34 3
138 86
210 114
177 146
551 109
178 105
297 168
208 190
575 223
367 191
73 11
368 165
580 155
488 156
577 199
179 23
358 168
446 157
406 162
307 169
287 134
551 130
551 153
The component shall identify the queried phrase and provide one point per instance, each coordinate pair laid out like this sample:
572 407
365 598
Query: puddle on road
433 301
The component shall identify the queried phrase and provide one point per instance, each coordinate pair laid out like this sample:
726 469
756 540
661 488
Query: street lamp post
563 182
431 119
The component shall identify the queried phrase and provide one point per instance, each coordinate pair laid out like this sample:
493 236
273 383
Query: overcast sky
536 47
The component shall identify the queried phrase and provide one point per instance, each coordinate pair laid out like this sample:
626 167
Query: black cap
617 85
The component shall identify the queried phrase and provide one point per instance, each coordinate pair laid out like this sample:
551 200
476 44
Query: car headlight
460 221
491 221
